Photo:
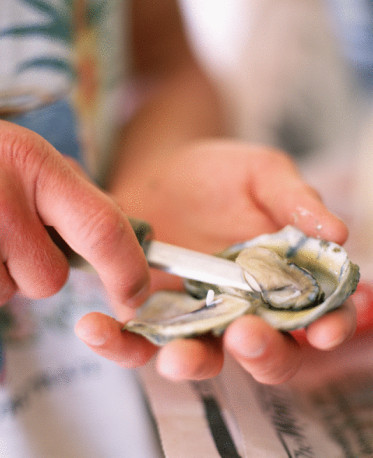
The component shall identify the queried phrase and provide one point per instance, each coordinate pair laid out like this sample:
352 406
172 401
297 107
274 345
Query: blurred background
291 71
298 74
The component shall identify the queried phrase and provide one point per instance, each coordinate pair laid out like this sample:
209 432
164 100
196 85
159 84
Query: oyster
283 284
327 262
300 278
169 315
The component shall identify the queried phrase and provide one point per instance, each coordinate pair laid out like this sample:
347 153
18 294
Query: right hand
39 188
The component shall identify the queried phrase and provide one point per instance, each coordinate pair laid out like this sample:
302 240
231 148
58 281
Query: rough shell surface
168 315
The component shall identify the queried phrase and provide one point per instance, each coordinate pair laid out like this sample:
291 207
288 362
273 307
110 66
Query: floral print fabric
61 64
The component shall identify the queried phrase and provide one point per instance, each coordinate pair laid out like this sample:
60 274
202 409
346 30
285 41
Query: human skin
39 189
198 190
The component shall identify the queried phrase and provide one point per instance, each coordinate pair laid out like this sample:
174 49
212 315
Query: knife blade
194 265
186 263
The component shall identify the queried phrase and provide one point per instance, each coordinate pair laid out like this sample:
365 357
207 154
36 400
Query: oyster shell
326 261
319 273
169 315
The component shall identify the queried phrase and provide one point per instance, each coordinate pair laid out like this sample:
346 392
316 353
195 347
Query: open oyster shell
283 284
169 315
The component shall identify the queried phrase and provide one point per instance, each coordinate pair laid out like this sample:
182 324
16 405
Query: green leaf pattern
73 51
55 25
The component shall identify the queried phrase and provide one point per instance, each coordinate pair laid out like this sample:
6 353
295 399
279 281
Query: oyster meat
297 279
283 284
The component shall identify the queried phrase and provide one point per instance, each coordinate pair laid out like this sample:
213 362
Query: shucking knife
186 263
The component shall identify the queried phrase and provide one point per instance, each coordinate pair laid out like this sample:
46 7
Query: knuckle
54 283
53 271
274 370
273 374
104 229
21 147
47 286
39 271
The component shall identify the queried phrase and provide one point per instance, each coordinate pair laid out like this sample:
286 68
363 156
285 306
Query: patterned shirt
62 62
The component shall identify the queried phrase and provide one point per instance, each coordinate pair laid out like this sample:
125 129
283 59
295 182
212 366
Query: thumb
281 191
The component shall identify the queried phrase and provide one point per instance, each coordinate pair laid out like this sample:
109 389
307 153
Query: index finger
95 227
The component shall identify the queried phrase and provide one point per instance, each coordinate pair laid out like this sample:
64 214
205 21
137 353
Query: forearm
180 103
180 109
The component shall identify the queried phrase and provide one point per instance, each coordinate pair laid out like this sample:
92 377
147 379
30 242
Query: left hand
207 197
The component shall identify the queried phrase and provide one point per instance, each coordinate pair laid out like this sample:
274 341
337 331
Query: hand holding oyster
295 280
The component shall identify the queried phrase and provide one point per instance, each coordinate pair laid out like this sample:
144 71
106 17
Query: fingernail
90 335
251 347
326 342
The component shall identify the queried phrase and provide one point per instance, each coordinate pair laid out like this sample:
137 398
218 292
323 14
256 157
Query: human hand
207 197
40 189
212 194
